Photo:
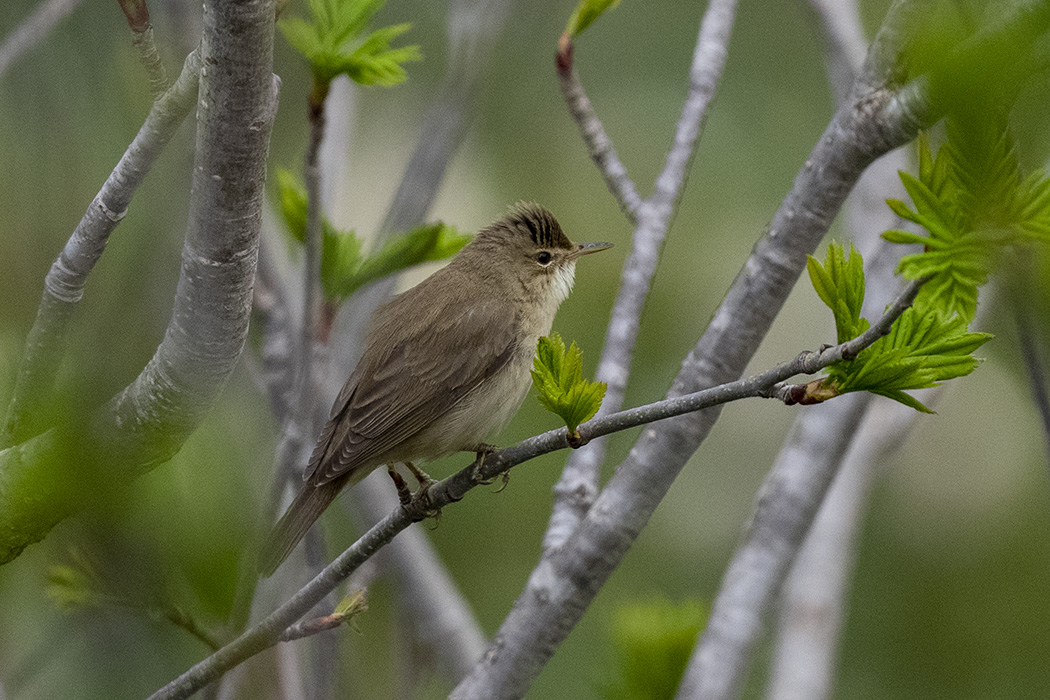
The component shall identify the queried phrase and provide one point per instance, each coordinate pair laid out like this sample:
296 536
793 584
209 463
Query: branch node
563 58
109 213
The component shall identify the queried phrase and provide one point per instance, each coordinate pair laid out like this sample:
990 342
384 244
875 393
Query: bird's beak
588 248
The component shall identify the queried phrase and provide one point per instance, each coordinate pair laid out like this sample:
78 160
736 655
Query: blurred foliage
950 596
653 641
344 267
973 201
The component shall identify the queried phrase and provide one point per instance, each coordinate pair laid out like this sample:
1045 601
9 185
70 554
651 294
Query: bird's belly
479 415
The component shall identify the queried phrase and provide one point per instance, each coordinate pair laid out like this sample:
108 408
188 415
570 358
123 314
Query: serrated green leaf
922 349
557 374
333 43
585 13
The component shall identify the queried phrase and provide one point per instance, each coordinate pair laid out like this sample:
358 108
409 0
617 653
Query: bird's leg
424 479
421 498
483 450
403 494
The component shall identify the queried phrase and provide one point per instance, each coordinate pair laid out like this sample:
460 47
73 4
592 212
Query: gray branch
146 47
578 486
268 632
787 502
64 284
813 597
148 421
33 29
875 120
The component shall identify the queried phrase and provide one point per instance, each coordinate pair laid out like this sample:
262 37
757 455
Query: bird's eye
543 257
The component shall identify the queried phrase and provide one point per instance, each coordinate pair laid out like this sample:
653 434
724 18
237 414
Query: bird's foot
404 495
420 501
482 450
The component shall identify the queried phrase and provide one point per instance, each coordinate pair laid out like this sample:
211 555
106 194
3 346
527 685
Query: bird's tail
307 507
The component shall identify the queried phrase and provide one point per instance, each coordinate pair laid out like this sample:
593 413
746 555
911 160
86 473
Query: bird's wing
401 385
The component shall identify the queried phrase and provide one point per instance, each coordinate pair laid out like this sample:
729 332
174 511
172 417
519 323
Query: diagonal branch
578 485
48 477
599 145
270 630
65 281
33 29
876 119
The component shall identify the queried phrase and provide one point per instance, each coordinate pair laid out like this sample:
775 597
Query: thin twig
64 284
137 14
33 29
578 485
454 488
599 145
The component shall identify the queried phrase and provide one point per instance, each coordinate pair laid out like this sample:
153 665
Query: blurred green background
952 592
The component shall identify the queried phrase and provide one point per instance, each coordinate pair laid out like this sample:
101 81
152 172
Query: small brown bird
445 365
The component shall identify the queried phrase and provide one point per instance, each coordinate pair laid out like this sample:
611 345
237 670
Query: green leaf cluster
344 266
925 346
653 642
334 43
558 376
973 200
585 13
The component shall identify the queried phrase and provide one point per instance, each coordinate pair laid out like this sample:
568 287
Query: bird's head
527 249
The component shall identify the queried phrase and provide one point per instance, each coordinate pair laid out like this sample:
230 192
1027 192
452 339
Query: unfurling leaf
558 376
923 349
586 12
839 283
973 202
333 43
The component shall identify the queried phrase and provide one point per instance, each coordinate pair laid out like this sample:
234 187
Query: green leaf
924 348
558 377
334 45
585 13
422 244
839 283
292 197
344 269
972 201
341 259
